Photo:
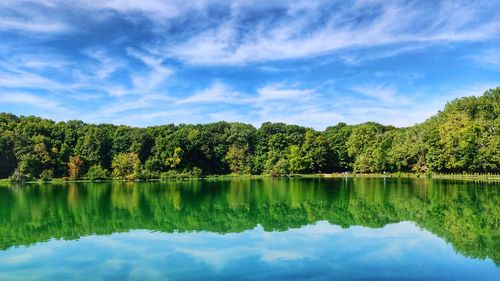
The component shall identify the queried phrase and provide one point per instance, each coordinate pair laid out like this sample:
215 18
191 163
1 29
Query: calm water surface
300 229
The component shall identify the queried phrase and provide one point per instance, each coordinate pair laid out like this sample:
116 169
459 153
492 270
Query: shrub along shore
463 138
183 177
468 177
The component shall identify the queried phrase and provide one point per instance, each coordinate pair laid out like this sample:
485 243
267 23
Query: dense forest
464 137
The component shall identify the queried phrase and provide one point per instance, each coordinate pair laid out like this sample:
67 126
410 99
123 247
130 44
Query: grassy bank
474 177
463 177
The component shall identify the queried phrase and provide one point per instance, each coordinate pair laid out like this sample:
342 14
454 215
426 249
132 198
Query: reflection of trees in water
465 214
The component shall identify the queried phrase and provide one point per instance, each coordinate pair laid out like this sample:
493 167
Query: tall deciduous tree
238 160
75 166
8 159
126 166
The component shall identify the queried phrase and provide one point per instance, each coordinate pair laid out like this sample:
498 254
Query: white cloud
384 93
153 8
292 37
15 59
279 102
275 102
31 26
25 79
390 107
216 93
105 64
31 100
134 76
467 90
144 82
25 16
219 92
356 58
296 33
120 106
488 58
278 92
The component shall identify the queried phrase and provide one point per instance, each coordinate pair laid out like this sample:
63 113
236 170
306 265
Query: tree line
463 137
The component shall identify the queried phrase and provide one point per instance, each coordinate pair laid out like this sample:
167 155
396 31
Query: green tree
46 175
75 166
338 158
295 160
175 158
126 166
368 144
238 160
314 151
95 145
35 157
96 172
280 168
8 158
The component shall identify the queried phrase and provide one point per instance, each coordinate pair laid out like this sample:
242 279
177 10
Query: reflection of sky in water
320 252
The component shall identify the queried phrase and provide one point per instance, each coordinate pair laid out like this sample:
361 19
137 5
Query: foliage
126 166
19 177
46 175
238 159
175 158
75 165
464 137
96 172
7 156
185 174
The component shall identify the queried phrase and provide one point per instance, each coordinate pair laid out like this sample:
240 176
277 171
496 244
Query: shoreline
460 177
490 177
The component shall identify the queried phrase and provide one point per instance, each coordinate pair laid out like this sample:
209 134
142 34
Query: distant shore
465 177
480 177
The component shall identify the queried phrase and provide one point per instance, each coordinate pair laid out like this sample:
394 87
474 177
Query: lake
261 229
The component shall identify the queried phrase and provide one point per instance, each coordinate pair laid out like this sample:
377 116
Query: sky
311 63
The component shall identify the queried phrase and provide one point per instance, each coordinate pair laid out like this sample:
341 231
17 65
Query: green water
269 229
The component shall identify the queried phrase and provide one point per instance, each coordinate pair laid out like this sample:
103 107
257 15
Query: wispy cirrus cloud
30 25
30 17
291 37
489 58
156 74
296 29
278 102
282 92
217 92
19 98
313 63
386 94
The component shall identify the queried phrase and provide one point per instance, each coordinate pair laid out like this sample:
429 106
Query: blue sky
312 63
